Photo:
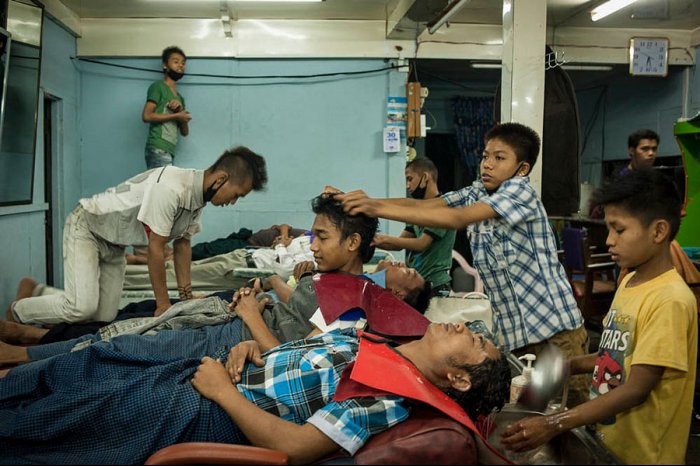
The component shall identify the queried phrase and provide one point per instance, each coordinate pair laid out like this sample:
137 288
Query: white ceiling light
486 65
608 8
587 67
280 1
241 1
566 67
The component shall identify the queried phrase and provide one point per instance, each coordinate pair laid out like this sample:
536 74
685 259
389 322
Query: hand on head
357 202
328 189
379 240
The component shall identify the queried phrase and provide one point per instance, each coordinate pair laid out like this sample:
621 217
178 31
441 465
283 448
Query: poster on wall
392 139
396 108
395 126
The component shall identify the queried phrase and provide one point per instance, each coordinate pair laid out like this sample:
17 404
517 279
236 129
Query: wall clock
649 56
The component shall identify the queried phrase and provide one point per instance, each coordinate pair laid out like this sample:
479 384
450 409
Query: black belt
249 261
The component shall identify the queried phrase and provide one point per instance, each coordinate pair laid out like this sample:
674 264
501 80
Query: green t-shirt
435 262
163 135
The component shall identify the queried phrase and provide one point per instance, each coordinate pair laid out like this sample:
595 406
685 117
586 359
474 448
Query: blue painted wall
22 229
312 132
631 102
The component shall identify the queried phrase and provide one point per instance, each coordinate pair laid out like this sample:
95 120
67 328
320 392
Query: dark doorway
442 149
48 186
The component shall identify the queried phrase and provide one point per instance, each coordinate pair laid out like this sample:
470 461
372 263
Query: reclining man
341 244
219 272
122 407
265 238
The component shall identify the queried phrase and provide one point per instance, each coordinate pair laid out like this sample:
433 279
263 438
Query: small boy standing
512 244
165 111
644 371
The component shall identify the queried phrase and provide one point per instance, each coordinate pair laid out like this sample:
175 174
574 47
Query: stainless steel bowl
549 374
577 446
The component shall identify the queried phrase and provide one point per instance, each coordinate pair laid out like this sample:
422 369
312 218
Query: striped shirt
299 379
516 257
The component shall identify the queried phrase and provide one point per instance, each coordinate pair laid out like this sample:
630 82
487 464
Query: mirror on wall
21 60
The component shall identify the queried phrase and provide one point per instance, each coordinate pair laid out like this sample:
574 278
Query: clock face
649 56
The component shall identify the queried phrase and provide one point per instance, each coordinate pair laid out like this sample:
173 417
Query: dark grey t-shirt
290 321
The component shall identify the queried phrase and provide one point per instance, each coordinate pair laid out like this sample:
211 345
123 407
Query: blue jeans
157 158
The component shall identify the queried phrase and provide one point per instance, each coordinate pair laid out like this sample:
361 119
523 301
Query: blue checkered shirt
516 257
299 379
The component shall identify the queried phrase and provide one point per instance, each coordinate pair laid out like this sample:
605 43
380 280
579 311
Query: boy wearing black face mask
428 249
150 209
165 111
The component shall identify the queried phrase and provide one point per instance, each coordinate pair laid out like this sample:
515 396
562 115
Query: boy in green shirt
428 249
165 111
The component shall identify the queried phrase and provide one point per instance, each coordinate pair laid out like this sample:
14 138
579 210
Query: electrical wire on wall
244 77
458 84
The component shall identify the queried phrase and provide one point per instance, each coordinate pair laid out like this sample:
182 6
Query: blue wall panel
312 132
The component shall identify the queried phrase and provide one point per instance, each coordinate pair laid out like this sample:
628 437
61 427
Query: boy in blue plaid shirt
512 244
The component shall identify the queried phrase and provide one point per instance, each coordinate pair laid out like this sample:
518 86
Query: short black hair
646 194
420 299
423 165
524 140
490 388
348 225
165 56
635 138
242 164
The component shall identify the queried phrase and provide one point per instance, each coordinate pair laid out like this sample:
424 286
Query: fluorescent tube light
241 1
587 67
608 8
566 67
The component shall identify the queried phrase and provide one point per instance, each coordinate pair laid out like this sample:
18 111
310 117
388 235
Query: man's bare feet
26 287
10 354
24 290
12 332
